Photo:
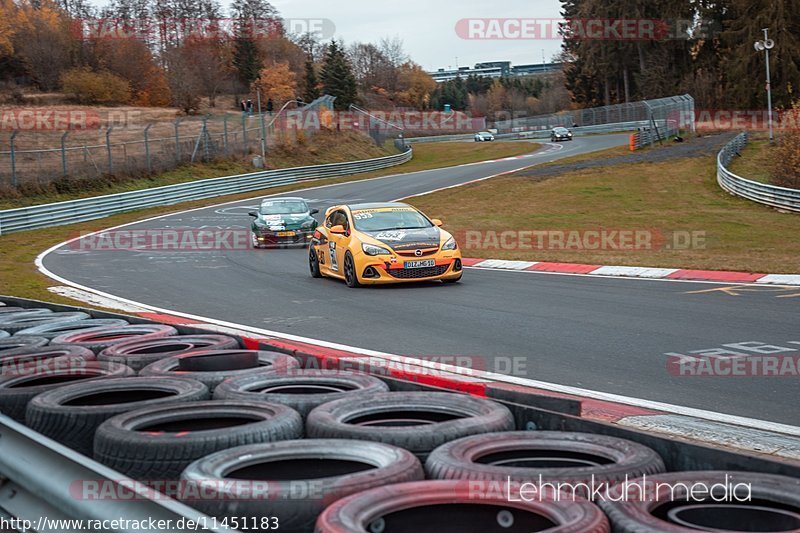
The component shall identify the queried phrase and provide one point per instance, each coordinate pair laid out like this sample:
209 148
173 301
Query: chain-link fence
679 108
134 149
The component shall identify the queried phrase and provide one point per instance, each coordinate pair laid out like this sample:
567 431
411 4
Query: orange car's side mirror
436 222
338 230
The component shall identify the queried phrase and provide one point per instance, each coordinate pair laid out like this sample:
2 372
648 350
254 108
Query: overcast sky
427 27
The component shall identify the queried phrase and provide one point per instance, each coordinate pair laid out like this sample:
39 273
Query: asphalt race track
602 334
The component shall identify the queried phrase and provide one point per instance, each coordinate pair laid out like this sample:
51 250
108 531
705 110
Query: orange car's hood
408 239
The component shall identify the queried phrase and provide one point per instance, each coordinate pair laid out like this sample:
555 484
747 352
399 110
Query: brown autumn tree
276 82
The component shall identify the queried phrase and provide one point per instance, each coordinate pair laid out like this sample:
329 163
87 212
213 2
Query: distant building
494 69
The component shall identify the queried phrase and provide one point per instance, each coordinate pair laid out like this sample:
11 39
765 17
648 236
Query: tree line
702 47
173 52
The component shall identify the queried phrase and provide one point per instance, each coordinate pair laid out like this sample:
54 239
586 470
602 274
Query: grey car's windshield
560 130
283 207
388 220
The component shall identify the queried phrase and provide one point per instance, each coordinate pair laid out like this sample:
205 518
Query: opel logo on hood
418 252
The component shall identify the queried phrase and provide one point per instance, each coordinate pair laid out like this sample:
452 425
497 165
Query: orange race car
366 244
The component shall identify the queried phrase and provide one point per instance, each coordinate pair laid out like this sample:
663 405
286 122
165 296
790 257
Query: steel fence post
244 132
147 149
177 141
13 160
64 154
225 133
108 148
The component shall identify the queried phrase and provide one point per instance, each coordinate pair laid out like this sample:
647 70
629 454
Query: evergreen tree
246 60
311 91
337 77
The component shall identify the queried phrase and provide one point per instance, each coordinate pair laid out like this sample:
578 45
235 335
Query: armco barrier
763 193
43 216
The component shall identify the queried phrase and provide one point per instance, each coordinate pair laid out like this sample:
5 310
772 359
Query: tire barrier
9 345
99 340
211 367
550 456
137 354
17 390
302 390
440 506
52 330
736 501
71 414
415 421
158 443
14 322
325 469
358 467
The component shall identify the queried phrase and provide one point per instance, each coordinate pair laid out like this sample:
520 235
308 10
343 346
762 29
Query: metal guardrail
763 193
617 127
69 212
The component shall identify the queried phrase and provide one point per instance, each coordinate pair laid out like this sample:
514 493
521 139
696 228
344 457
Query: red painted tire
101 339
438 506
138 353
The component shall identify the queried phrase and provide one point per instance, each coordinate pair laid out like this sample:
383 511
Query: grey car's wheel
442 506
350 275
213 366
71 414
297 478
52 330
552 456
416 421
302 390
745 501
157 443
137 354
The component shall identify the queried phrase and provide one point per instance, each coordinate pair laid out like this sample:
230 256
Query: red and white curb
680 274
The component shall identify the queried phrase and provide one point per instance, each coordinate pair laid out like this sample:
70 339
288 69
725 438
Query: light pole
765 46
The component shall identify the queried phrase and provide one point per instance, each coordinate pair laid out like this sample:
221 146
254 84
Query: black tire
101 339
228 365
17 322
416 421
774 504
556 456
302 390
313 474
350 274
52 330
7 311
441 506
158 443
4 334
71 414
313 263
26 360
10 345
16 391
137 354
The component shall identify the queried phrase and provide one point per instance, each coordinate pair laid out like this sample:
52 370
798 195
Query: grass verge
674 200
19 277
756 160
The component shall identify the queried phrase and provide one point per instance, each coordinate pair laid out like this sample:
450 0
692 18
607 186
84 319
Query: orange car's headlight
371 249
450 244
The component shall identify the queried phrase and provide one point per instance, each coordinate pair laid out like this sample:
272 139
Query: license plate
285 234
420 264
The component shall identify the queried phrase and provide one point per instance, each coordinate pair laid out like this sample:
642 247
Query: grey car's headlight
308 225
371 249
450 244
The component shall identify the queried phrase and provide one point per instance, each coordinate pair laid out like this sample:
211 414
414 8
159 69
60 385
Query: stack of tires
251 438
